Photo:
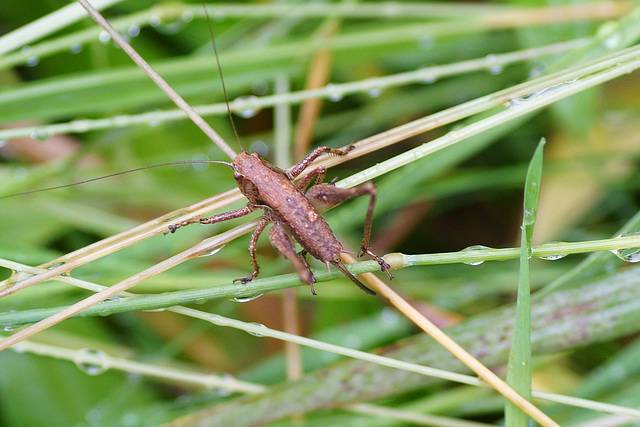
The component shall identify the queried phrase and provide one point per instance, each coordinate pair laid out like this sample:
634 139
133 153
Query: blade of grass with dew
519 367
595 308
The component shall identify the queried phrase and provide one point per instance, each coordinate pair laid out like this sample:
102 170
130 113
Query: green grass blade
519 369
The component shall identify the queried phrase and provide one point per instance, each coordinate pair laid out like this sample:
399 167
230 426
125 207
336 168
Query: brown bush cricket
293 208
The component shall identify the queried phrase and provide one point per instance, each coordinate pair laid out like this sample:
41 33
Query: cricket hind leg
326 196
264 221
353 278
282 242
304 163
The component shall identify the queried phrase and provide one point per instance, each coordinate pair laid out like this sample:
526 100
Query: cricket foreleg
326 196
282 242
304 163
213 219
264 221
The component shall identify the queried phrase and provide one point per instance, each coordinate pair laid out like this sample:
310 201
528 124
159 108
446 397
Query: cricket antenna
184 162
224 87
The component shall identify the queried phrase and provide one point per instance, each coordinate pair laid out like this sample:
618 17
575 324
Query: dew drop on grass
20 174
40 135
375 92
493 67
134 31
429 78
91 362
474 248
256 334
334 94
187 16
628 254
75 48
614 41
245 106
259 86
553 257
154 21
246 299
529 217
104 37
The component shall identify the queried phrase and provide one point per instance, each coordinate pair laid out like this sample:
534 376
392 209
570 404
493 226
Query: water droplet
429 76
172 28
55 265
389 316
20 174
245 106
40 135
246 299
260 147
212 251
92 362
259 87
75 48
187 16
154 21
155 310
254 333
553 257
529 217
493 67
474 248
3 142
8 328
32 61
375 92
613 41
334 94
104 37
222 392
134 31
628 254
537 71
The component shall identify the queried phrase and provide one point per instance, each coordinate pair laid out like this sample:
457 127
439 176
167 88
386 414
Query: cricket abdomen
270 187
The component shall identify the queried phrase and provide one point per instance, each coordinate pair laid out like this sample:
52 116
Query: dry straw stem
464 356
